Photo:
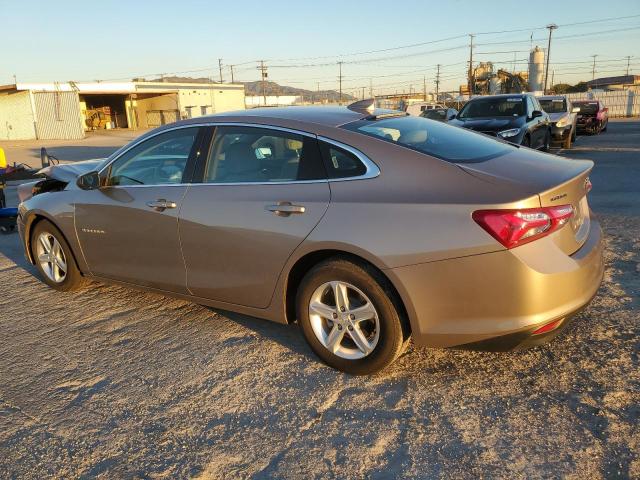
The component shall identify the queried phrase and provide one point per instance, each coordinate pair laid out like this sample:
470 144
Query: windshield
453 144
555 105
435 114
588 108
494 107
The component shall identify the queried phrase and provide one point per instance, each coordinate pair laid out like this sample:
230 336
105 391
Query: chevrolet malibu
367 227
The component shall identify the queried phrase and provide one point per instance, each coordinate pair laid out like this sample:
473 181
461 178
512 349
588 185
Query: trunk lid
555 180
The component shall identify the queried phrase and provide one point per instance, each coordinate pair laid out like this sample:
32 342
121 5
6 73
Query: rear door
262 192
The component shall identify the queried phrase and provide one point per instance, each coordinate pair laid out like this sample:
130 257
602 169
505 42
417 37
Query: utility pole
263 76
470 76
551 27
231 68
424 88
437 82
593 69
371 87
220 68
363 93
628 57
340 81
553 74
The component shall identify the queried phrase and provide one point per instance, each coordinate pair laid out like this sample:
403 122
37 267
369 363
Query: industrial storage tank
536 70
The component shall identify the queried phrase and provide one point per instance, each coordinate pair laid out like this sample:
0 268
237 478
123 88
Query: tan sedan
366 227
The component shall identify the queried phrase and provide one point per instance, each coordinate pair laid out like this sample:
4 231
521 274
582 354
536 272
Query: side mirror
89 181
536 114
452 116
575 109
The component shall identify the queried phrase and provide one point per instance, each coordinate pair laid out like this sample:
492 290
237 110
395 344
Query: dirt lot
116 383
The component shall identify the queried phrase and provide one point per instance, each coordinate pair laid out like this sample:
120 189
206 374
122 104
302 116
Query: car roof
327 116
552 97
503 95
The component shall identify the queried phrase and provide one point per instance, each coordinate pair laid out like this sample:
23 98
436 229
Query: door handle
161 204
284 209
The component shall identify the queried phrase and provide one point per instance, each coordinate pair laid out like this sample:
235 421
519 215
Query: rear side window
258 155
452 144
341 163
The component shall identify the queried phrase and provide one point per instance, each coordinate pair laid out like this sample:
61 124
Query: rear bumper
495 301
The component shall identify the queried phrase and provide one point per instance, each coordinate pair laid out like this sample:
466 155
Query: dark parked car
516 118
593 117
563 116
440 114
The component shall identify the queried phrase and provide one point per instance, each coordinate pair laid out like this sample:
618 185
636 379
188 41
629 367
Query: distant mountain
271 89
274 89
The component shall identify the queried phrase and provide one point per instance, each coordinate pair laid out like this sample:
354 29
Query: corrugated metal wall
58 115
621 103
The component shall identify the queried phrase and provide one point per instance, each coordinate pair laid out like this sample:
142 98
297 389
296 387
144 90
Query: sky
388 45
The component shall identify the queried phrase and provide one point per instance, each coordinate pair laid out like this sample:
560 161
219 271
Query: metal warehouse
68 110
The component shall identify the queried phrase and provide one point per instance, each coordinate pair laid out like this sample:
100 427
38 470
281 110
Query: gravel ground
115 383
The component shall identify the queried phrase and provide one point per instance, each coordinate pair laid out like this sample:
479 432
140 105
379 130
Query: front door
128 229
263 191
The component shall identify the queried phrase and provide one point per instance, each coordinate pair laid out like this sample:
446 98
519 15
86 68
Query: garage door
58 115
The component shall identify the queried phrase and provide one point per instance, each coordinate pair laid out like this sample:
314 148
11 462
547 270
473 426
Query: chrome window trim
372 169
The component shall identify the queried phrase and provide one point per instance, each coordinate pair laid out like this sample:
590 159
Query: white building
67 110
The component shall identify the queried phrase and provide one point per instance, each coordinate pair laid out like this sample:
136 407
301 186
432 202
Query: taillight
517 227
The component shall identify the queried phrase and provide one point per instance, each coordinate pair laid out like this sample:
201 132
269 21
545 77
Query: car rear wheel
349 318
53 257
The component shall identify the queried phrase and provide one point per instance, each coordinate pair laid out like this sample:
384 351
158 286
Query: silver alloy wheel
51 257
344 320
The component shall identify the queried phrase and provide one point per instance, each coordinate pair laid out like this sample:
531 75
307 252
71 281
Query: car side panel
58 208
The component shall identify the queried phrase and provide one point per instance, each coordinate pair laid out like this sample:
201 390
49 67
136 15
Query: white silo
536 69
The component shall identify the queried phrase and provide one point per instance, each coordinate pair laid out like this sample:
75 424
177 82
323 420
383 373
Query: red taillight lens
516 227
548 327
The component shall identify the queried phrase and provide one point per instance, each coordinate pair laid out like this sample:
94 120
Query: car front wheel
349 317
53 257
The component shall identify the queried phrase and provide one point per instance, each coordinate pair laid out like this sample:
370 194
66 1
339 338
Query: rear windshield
555 105
435 114
494 107
587 107
453 144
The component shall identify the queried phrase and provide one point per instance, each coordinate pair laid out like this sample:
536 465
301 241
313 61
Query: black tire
574 134
546 145
392 339
567 141
73 279
526 141
606 125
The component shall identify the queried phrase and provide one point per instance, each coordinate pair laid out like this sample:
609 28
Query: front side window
438 139
259 155
494 107
160 160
